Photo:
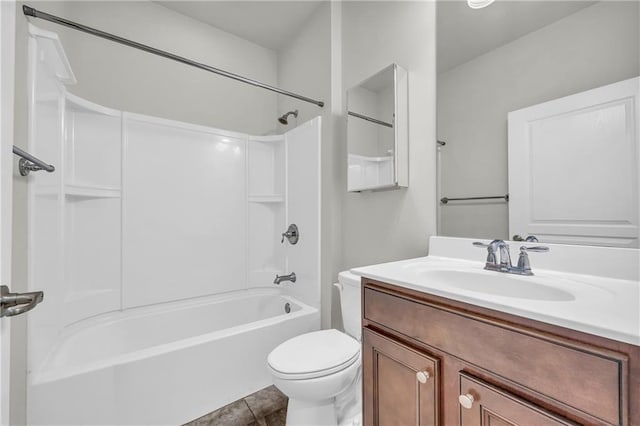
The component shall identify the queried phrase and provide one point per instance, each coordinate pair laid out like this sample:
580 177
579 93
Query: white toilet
320 371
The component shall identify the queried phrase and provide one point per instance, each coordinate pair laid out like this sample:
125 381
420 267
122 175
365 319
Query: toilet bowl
320 371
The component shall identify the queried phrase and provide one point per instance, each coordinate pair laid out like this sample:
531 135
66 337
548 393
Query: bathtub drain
287 307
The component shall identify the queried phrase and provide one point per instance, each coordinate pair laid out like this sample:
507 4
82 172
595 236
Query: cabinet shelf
91 191
266 198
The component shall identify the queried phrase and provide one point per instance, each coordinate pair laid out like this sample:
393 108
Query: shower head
283 119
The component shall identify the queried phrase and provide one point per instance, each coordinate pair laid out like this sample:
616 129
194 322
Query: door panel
396 387
587 141
492 406
405 384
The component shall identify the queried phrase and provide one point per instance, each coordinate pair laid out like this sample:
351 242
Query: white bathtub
164 364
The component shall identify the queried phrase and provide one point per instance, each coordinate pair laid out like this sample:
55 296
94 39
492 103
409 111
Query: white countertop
595 304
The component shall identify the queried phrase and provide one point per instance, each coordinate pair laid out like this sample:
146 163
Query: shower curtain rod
371 119
30 11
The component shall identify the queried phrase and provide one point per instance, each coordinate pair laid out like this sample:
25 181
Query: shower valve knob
292 235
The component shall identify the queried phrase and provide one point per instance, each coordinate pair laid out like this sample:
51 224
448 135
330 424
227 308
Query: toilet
320 371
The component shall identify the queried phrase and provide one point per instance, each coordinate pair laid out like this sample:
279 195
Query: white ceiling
270 24
462 33
465 33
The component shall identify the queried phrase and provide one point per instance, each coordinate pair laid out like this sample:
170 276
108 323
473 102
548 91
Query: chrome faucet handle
491 250
524 266
292 234
538 249
529 239
493 244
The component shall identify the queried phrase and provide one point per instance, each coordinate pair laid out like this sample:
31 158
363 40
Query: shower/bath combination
283 119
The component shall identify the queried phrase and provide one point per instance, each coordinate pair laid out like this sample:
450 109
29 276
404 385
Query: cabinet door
484 404
400 384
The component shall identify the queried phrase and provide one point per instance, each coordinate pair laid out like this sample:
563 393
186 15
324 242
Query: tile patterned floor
267 407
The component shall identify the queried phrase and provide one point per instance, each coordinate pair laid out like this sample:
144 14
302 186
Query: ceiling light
479 4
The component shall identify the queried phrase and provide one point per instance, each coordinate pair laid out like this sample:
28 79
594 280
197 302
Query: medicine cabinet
377 132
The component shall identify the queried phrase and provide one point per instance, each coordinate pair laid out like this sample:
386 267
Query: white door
573 168
7 58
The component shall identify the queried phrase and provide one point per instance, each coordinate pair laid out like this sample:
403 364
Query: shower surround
156 243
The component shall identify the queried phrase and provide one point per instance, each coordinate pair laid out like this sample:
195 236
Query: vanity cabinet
486 367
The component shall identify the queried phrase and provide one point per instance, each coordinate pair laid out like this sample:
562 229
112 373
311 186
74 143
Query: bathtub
167 363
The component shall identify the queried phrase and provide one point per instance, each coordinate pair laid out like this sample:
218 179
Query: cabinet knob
422 376
466 400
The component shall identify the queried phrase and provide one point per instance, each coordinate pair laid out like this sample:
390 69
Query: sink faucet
499 246
495 248
279 278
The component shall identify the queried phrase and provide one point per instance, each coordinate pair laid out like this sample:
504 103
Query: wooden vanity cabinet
483 367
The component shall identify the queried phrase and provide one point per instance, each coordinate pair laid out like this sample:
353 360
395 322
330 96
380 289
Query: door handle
12 304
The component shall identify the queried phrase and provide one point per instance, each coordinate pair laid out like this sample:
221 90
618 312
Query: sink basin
498 284
590 289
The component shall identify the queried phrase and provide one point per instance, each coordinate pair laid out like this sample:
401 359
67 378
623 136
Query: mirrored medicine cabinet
377 132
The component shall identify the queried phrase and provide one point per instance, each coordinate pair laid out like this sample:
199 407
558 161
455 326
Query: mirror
377 131
511 56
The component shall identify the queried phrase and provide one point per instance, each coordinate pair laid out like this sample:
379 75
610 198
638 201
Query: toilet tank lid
349 278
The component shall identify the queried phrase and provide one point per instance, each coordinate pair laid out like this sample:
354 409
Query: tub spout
279 278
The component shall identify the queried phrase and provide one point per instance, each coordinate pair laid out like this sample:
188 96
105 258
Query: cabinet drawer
488 405
588 379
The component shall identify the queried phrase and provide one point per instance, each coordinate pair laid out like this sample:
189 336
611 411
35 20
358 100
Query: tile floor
267 407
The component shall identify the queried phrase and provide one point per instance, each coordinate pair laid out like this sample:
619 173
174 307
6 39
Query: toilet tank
350 303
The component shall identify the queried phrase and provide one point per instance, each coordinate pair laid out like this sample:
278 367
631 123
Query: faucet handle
529 239
538 249
292 234
491 250
493 245
524 267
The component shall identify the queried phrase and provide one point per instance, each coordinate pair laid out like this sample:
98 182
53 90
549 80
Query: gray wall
385 226
593 47
128 79
341 45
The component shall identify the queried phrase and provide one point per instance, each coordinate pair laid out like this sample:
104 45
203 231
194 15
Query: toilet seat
313 355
